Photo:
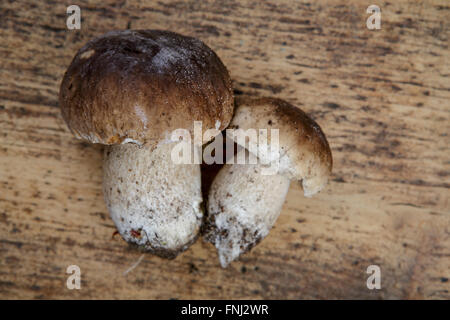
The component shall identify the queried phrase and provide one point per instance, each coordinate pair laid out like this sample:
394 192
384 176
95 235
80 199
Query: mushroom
131 90
245 200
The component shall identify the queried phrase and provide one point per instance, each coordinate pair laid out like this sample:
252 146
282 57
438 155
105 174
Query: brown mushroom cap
140 85
304 151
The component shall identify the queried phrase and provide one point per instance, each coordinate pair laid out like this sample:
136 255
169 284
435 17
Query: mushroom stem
243 205
153 202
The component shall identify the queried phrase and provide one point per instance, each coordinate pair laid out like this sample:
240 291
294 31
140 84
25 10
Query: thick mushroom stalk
243 205
154 202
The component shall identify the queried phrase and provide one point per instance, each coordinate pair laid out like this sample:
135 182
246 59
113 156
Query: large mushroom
130 90
245 199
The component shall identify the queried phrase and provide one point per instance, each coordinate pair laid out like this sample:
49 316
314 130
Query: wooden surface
381 97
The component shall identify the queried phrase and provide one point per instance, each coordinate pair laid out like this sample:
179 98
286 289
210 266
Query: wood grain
381 97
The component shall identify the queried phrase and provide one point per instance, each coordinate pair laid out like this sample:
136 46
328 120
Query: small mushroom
245 200
130 90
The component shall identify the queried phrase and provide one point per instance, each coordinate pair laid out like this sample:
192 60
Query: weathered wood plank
382 98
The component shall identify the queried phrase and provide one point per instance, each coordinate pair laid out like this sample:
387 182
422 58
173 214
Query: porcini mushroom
244 201
130 90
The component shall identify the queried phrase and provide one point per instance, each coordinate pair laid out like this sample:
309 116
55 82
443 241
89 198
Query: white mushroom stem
243 205
153 202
